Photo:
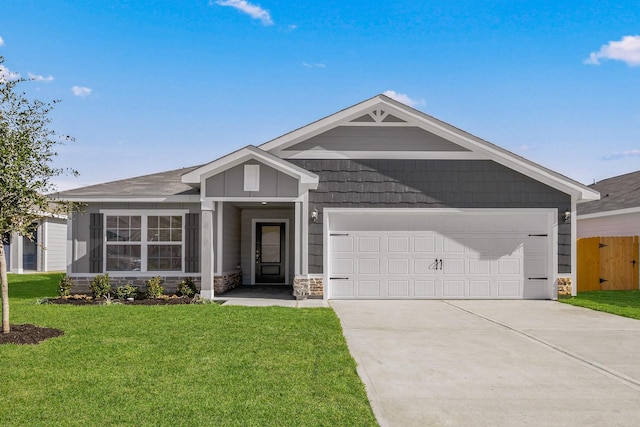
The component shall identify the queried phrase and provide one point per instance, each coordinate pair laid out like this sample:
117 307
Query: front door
270 252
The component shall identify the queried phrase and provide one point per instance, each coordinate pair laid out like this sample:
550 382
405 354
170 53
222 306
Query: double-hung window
145 242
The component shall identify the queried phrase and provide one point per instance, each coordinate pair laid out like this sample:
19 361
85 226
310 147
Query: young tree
27 149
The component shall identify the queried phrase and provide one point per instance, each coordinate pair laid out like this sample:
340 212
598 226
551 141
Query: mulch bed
28 334
145 301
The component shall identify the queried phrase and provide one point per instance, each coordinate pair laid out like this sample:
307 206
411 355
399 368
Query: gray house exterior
377 201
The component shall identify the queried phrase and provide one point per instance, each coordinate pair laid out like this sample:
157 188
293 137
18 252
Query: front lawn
622 303
177 365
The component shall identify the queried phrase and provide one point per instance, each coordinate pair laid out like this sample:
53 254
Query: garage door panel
368 288
481 266
369 244
509 289
398 266
452 246
424 245
453 288
343 288
398 288
453 266
479 288
343 266
342 244
424 266
424 288
398 244
509 265
369 266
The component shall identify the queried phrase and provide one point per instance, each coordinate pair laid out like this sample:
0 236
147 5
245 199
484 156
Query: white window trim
144 214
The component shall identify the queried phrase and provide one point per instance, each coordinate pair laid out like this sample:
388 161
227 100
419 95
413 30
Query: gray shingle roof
619 192
167 183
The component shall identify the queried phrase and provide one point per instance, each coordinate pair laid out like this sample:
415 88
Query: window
145 242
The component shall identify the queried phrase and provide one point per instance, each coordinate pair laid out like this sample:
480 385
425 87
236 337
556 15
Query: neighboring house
46 252
617 213
375 201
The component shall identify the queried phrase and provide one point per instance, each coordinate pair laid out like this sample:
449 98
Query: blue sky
148 86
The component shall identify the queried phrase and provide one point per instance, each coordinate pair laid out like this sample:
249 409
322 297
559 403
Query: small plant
154 288
100 286
64 286
187 287
126 291
108 300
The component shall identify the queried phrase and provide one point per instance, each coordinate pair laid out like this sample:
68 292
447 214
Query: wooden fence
607 263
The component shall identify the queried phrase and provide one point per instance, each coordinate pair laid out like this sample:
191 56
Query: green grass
177 365
622 303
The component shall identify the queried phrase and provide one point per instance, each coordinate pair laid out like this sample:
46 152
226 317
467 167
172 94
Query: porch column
17 253
206 250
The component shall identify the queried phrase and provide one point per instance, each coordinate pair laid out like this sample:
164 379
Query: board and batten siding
390 183
230 183
230 238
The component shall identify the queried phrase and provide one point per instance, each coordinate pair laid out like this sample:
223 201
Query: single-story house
46 252
378 200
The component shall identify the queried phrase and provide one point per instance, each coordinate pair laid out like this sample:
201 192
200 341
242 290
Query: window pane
176 235
164 258
176 222
152 221
112 222
164 222
123 257
136 222
123 222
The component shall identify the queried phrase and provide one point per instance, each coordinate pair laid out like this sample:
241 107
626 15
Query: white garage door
457 255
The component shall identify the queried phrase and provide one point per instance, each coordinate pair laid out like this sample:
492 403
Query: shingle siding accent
386 183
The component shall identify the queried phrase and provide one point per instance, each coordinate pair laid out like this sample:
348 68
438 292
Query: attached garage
441 253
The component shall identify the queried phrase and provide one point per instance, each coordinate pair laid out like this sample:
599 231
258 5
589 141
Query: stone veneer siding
395 183
308 287
564 286
227 281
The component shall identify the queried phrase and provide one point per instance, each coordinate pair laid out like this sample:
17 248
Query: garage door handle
538 278
338 278
538 235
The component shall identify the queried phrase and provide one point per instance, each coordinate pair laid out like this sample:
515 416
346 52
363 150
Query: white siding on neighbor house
614 225
55 242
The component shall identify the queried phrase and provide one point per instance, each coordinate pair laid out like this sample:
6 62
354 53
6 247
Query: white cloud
1 41
292 27
254 11
626 50
404 98
319 65
39 78
81 91
7 75
622 155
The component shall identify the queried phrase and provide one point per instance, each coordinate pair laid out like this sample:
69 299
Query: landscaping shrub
187 287
154 288
100 286
64 286
126 291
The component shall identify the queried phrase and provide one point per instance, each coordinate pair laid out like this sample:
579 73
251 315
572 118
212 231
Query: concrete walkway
265 296
494 363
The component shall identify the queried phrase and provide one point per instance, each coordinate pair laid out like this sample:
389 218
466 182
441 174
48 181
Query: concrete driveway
494 363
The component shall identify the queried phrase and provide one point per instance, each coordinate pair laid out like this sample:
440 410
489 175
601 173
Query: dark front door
270 252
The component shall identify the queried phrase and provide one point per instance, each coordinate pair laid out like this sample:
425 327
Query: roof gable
198 175
383 113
